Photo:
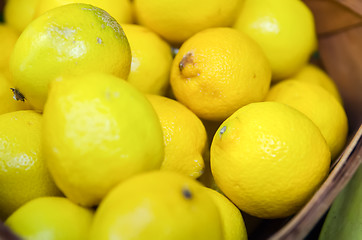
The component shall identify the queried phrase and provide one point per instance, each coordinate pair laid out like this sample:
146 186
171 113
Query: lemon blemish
186 193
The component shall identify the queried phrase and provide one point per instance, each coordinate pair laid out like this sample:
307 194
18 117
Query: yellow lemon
19 13
58 43
313 74
23 172
284 29
177 21
232 221
184 137
269 159
151 60
98 130
317 104
157 205
7 98
8 38
51 218
219 70
119 9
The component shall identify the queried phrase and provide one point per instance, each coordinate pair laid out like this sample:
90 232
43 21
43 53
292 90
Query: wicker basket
339 27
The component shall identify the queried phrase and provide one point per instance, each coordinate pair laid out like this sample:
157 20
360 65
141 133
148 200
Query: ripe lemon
9 104
19 13
157 205
177 21
219 70
58 43
51 218
119 9
23 173
317 104
8 38
151 60
268 159
232 221
312 74
284 29
184 137
98 130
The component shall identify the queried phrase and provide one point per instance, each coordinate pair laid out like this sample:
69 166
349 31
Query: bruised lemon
58 43
157 205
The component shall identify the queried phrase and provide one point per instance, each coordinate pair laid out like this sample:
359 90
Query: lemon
317 104
8 38
119 9
157 205
313 74
19 13
98 130
9 104
269 159
23 173
184 137
232 221
58 43
219 70
284 29
151 60
177 21
51 218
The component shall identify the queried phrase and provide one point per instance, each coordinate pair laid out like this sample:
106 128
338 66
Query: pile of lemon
161 119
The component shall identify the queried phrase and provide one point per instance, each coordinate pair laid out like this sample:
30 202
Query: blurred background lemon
151 60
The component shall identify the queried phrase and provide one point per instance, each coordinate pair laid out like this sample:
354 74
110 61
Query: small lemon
184 137
269 159
219 70
23 172
9 103
317 104
119 9
177 21
313 74
157 205
8 38
19 13
232 221
285 31
51 218
151 60
58 43
98 130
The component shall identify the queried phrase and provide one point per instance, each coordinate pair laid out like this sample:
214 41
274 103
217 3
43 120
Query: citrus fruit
9 104
177 21
51 218
19 13
98 130
23 172
184 137
232 221
157 205
269 159
151 60
317 104
8 38
313 74
219 70
285 31
57 43
119 9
